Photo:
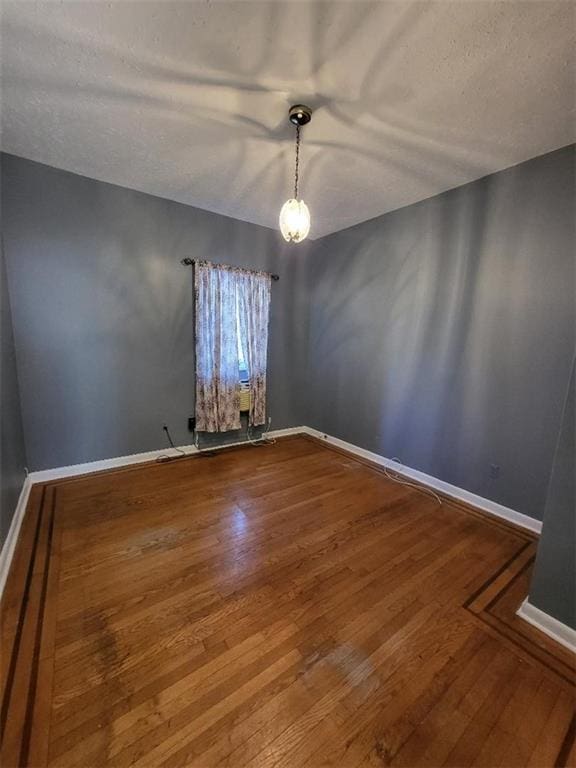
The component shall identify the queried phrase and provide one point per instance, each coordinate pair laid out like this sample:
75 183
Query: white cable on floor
400 480
166 456
263 439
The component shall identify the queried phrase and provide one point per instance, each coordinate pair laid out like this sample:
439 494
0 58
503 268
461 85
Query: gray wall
553 588
443 333
12 456
102 311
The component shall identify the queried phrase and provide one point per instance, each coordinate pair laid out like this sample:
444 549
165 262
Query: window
231 323
243 372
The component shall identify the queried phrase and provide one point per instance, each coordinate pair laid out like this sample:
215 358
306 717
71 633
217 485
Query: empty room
288 384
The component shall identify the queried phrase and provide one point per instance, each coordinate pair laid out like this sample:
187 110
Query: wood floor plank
556 741
287 605
420 736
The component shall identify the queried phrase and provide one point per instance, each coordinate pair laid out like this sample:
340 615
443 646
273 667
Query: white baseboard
486 505
555 629
45 475
58 473
9 545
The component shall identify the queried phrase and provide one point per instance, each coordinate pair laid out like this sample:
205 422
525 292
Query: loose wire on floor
167 457
263 439
260 441
401 481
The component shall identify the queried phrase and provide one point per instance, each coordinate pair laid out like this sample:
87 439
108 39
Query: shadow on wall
439 331
103 311
12 448
439 339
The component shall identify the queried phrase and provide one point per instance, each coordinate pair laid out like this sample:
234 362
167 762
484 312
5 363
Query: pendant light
295 216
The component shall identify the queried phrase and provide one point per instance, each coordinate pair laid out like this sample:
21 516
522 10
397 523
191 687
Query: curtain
217 385
253 310
231 312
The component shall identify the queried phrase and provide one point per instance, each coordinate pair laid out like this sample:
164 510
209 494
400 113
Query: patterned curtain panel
217 384
231 308
253 310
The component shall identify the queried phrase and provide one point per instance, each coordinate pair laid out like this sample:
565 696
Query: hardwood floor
285 605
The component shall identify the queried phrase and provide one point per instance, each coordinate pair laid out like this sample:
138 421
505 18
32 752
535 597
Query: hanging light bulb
295 216
294 220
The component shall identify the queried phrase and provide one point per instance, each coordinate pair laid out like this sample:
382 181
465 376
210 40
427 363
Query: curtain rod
188 262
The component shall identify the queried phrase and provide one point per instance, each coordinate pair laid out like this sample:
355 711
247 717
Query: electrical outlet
494 472
191 423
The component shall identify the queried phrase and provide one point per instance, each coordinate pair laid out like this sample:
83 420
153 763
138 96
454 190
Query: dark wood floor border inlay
21 618
485 613
32 688
567 745
495 575
515 577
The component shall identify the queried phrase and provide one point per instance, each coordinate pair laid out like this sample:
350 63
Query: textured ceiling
188 100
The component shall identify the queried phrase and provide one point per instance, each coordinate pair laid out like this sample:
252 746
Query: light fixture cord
297 162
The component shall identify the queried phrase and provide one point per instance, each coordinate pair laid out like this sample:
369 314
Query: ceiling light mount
300 114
